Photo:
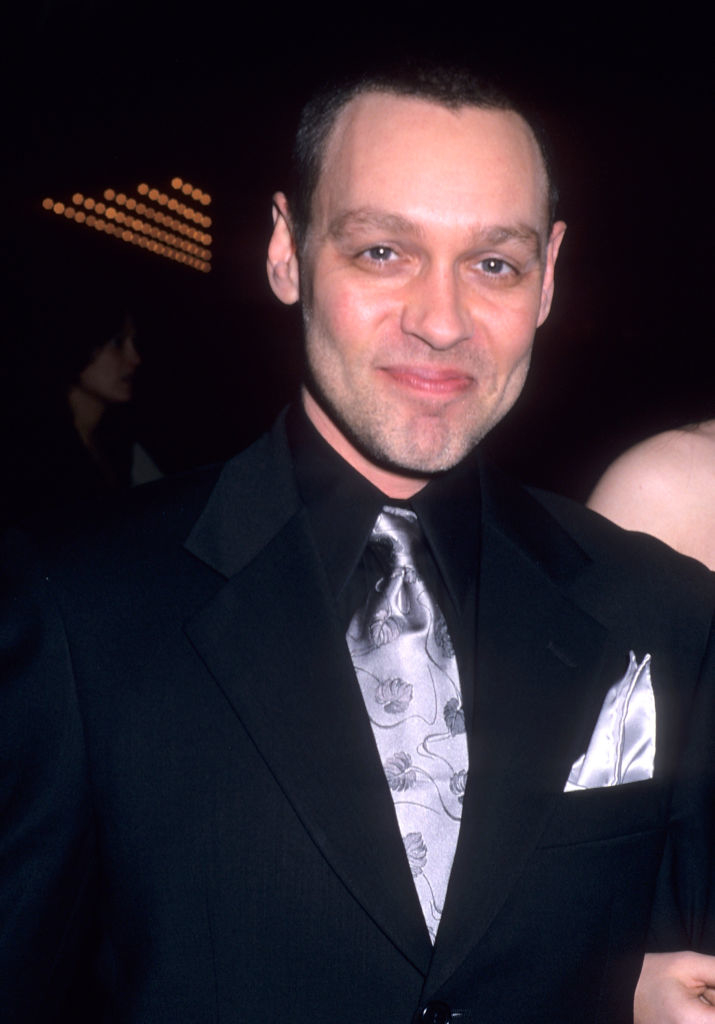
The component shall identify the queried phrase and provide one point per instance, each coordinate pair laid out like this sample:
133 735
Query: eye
379 253
496 267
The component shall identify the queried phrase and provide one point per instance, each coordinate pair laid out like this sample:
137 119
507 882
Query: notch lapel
272 640
542 662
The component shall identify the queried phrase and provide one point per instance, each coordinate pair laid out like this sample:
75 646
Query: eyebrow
369 217
514 232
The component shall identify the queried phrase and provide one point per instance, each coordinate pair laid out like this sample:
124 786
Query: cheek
103 374
348 317
512 337
92 377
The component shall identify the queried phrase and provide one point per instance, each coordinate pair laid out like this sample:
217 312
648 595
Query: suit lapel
541 666
293 688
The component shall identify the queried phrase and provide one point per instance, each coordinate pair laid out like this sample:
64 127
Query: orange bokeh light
182 242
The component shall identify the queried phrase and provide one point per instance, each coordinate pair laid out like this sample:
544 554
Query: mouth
428 380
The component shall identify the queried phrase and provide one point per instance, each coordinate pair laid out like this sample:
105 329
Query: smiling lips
426 380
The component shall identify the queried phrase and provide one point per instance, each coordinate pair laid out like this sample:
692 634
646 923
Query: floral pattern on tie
395 695
406 668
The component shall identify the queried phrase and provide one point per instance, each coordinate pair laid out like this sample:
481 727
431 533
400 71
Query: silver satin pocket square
622 748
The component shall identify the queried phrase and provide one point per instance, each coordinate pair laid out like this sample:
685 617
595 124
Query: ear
547 286
282 263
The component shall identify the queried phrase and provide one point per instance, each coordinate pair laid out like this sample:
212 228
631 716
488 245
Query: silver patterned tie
405 665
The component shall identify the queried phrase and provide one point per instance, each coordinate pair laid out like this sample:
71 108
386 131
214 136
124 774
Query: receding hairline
457 107
476 96
341 124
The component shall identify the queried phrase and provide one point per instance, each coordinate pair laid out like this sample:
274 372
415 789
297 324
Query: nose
435 309
129 351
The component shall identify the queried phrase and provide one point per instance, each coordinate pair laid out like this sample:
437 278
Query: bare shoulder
665 486
660 462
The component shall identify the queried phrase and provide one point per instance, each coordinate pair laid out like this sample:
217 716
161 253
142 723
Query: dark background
113 94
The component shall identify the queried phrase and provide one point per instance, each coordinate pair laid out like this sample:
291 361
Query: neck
87 411
392 484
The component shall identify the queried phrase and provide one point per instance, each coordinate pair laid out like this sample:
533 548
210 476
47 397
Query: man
206 781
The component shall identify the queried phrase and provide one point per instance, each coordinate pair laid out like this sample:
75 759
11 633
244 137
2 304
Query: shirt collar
342 507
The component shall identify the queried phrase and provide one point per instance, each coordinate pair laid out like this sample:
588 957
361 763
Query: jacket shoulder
595 532
637 560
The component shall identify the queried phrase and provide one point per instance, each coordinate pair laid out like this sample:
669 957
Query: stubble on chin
425 445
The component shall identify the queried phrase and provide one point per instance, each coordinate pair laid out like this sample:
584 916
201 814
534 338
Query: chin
423 459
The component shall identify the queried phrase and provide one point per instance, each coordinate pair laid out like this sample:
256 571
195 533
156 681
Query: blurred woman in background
70 430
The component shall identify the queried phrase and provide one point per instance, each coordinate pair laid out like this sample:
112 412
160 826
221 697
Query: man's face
426 270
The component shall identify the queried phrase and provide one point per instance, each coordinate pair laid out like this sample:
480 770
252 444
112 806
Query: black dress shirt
342 507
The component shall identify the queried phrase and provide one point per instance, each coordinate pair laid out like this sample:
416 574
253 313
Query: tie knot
396 536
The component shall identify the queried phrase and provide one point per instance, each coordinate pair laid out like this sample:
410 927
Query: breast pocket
610 812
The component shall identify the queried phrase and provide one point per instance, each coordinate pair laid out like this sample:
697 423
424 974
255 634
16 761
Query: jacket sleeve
684 906
47 842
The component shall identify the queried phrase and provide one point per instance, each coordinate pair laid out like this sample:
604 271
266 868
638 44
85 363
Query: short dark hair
450 86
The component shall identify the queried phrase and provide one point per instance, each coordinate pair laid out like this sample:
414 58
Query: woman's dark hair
68 328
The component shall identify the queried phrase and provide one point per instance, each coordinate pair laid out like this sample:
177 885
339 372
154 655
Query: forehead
411 155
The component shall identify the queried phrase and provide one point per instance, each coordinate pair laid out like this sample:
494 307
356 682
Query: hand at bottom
676 988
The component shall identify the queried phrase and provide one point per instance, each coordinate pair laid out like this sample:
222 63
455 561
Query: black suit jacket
195 823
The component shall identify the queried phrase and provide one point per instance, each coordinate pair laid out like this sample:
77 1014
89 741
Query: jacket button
435 1013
